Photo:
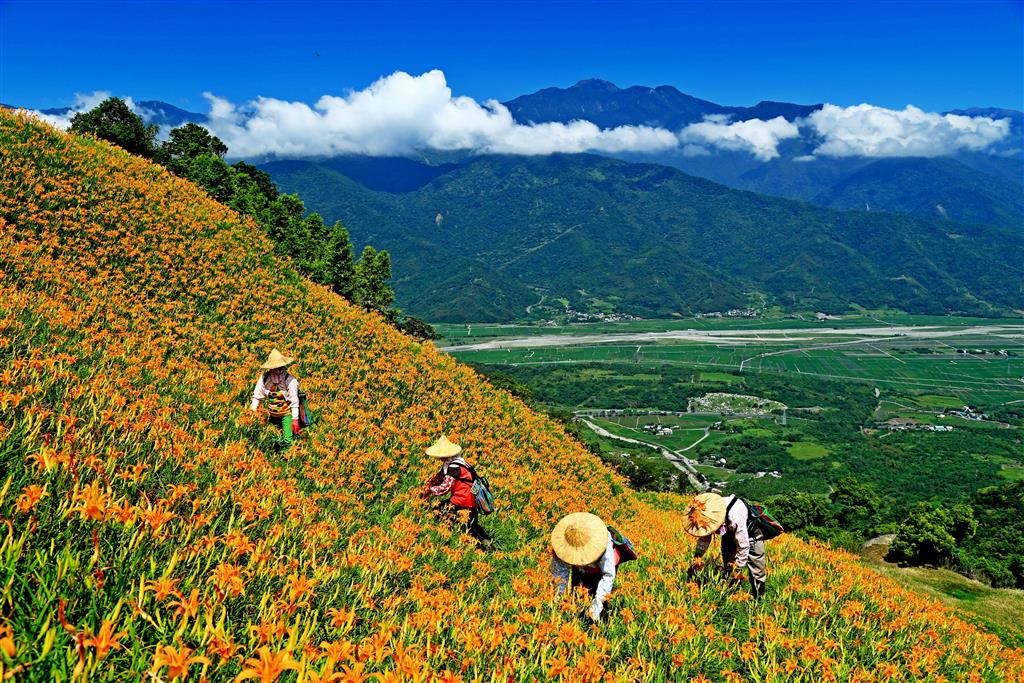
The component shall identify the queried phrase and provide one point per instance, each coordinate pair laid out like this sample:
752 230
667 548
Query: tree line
979 538
322 253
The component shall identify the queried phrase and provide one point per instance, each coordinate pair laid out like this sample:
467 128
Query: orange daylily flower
267 666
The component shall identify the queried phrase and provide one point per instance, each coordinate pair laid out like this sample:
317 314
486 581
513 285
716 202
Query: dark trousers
588 580
471 526
756 560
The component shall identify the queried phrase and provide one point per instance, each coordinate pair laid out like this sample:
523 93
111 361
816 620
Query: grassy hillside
483 241
150 525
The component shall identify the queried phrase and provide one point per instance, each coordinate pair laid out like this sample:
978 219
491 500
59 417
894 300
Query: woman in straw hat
455 480
710 515
280 390
583 555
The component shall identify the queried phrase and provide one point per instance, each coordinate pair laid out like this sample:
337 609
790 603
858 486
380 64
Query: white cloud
83 102
401 113
760 138
866 130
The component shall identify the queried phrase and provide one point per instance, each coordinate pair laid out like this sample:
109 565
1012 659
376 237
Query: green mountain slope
486 239
943 188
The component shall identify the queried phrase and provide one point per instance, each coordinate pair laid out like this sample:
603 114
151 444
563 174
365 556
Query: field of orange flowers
152 529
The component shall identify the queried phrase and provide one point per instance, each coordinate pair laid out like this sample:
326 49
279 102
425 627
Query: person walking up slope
280 390
710 515
456 478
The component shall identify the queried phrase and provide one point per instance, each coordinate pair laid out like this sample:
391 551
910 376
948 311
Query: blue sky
935 55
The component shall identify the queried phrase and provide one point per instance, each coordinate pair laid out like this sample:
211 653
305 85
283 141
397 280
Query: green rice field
933 367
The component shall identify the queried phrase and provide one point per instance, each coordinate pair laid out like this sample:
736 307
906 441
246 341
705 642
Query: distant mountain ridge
608 106
965 187
485 239
975 187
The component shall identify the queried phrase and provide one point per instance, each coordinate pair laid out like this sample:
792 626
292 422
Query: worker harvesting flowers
280 392
456 479
586 553
710 515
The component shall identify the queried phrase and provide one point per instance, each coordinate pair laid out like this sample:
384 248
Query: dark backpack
481 489
626 550
759 519
305 414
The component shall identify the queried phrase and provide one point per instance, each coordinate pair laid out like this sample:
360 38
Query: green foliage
930 533
856 504
339 269
416 328
372 273
113 121
994 552
651 240
185 144
797 510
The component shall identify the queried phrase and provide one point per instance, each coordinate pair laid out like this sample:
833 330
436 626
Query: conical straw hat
705 514
276 360
443 448
579 538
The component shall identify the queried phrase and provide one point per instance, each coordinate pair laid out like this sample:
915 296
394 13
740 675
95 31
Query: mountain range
608 106
964 187
485 239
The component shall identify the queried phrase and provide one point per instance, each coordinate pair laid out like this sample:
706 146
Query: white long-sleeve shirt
735 524
562 571
291 392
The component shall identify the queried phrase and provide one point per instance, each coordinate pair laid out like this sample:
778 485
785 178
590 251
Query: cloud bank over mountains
401 113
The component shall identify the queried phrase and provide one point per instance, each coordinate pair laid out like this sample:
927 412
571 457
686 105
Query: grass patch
997 609
718 377
1012 473
937 401
807 450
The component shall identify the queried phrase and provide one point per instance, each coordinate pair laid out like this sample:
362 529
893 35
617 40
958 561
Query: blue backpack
481 489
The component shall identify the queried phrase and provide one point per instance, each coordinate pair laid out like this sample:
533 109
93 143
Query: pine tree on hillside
372 273
340 272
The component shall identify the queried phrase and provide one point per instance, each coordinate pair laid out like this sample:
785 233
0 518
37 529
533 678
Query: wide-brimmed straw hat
276 360
705 514
443 448
579 538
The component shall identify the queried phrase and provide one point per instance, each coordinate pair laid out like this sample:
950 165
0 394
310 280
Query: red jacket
455 477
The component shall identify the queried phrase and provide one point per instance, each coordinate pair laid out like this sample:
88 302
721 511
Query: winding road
678 460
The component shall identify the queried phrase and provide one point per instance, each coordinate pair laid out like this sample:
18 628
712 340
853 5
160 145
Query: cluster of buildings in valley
575 316
967 413
658 430
733 313
987 352
906 424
